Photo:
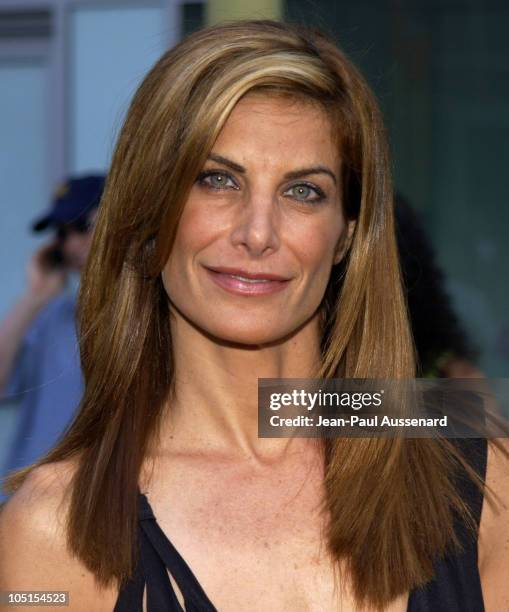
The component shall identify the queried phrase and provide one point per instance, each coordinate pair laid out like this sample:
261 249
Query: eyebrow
293 174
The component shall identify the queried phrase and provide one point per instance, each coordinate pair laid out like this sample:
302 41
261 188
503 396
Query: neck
215 405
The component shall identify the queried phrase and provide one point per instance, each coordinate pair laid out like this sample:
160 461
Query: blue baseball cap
72 202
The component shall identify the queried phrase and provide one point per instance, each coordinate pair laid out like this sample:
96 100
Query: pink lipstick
243 282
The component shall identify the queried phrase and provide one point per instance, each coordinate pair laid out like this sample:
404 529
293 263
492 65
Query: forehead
275 126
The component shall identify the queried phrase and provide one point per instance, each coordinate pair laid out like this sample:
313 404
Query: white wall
111 49
23 170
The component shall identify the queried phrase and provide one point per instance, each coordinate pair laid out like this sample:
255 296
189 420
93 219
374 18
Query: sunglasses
78 227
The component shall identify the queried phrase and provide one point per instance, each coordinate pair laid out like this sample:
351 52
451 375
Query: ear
344 242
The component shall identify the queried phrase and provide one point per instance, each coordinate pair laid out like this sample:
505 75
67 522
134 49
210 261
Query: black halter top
456 586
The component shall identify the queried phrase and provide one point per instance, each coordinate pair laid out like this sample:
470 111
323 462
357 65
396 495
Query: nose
256 227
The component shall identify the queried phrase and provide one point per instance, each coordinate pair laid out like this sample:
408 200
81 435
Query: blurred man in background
39 357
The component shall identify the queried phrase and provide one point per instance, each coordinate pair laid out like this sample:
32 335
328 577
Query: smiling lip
246 274
241 282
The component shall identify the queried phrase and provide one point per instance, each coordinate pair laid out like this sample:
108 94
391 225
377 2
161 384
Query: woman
246 231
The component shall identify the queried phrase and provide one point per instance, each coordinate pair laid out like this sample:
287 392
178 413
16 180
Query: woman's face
263 224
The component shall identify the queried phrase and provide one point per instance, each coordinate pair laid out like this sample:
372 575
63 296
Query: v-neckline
176 564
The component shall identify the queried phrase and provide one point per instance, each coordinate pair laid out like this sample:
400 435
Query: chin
235 326
253 333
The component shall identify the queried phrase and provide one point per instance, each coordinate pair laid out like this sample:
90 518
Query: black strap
160 594
150 573
194 596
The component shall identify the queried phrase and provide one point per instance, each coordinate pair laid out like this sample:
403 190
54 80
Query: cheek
198 227
316 247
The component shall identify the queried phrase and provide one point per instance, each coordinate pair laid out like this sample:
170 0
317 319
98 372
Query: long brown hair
398 489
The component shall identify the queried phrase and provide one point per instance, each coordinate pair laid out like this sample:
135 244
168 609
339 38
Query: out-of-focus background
440 69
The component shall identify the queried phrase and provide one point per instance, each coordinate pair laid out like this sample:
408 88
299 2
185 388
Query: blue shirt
46 381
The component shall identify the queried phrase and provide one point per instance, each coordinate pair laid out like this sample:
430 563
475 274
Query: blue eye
301 191
217 180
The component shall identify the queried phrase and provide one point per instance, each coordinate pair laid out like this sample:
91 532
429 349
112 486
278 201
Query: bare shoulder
494 530
33 544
